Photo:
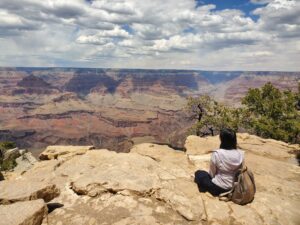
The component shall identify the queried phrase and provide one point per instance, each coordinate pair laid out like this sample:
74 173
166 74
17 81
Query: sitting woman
224 164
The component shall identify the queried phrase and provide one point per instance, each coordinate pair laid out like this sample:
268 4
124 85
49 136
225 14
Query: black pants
203 180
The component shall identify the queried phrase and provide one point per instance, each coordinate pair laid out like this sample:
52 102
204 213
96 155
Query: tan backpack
243 189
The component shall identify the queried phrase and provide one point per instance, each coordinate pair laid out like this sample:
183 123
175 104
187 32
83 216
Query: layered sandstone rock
54 152
153 184
25 190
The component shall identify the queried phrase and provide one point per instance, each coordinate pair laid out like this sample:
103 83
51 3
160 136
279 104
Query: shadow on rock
54 205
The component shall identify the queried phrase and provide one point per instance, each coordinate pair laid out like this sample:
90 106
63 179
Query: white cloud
92 39
260 1
11 24
119 7
175 42
103 37
280 17
126 43
149 34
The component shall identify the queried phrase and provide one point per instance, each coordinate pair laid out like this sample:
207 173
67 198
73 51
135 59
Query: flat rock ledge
153 184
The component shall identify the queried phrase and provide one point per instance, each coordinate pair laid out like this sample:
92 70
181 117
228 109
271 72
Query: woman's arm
213 168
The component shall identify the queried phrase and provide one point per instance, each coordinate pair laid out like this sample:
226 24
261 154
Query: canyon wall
111 108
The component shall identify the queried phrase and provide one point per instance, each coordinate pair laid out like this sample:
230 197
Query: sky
151 34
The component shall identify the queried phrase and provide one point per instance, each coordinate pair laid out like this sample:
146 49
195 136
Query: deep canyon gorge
114 108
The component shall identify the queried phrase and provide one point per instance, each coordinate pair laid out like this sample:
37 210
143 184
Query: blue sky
156 34
244 5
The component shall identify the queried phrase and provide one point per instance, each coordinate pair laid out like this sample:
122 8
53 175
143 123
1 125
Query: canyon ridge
113 108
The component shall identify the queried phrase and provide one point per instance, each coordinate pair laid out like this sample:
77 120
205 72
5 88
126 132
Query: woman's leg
203 180
204 183
215 190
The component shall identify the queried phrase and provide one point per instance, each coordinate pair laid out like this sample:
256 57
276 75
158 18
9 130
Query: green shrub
9 163
7 145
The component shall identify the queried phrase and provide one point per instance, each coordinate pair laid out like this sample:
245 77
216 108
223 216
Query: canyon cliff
111 108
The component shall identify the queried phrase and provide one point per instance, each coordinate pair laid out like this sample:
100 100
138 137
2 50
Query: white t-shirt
224 165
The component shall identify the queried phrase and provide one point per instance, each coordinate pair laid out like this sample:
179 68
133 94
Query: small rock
23 213
11 154
25 162
22 151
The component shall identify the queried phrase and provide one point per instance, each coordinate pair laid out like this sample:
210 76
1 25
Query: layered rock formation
153 184
54 152
233 90
111 108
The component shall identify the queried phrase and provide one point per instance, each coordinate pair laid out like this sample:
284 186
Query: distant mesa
33 85
32 81
141 81
83 83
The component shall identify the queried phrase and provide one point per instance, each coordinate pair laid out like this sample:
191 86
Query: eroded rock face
23 213
25 190
153 184
59 151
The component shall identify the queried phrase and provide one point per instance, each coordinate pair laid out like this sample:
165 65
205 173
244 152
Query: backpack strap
226 196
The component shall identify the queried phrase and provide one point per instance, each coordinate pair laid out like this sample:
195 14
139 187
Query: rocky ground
153 184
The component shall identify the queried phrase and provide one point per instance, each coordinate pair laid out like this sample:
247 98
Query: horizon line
156 69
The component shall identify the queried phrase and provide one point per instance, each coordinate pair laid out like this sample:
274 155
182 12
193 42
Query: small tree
211 116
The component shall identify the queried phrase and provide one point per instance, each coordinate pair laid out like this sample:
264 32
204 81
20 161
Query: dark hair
228 139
